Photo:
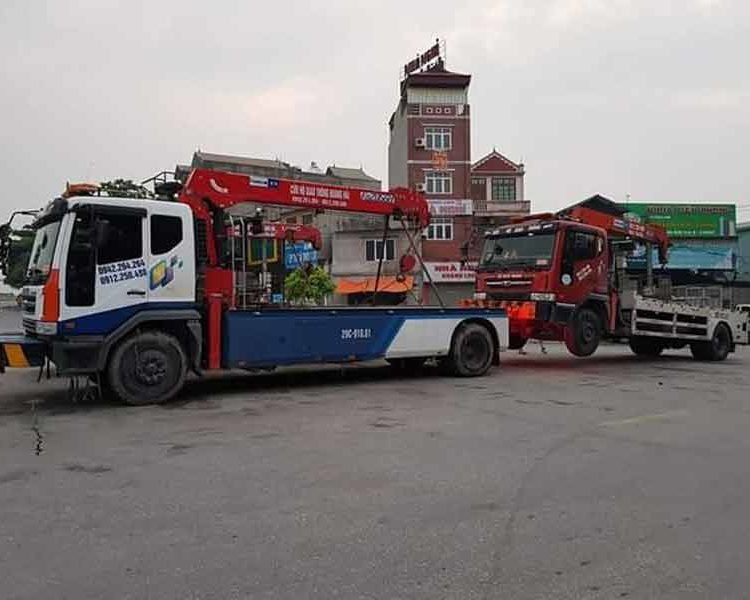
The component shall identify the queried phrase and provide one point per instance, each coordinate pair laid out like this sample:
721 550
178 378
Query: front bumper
21 351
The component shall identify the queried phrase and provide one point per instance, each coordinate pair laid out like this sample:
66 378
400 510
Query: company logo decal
162 273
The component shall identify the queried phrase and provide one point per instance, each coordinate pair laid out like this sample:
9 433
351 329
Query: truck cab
543 272
100 266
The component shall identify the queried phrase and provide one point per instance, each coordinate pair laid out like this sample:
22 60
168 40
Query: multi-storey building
430 150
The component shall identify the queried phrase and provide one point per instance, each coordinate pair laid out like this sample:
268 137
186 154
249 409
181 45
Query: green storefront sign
688 220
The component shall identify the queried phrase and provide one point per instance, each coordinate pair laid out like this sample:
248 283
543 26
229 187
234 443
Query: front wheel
147 368
584 333
715 350
471 351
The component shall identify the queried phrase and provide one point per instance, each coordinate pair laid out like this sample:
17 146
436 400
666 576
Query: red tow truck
563 277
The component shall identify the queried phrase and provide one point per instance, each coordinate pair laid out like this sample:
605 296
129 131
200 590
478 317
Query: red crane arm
223 190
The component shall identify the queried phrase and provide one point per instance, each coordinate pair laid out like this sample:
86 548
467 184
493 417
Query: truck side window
80 269
166 233
585 245
123 239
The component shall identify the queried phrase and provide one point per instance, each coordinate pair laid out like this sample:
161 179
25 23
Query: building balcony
501 209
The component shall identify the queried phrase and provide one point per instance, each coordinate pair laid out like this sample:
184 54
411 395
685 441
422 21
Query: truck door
104 274
584 268
171 263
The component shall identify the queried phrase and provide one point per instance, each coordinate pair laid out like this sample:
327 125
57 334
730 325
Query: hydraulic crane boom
208 191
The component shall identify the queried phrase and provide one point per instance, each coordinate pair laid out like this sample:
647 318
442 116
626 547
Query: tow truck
133 293
563 277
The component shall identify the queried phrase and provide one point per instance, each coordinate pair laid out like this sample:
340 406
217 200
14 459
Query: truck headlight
543 296
480 295
46 328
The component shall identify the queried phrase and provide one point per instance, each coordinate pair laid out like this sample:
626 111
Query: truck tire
645 346
471 351
516 342
583 334
715 350
147 368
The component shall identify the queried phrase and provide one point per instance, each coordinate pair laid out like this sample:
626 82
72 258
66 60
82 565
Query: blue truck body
284 337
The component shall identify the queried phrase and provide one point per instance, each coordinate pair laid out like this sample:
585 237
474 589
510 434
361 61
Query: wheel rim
147 372
150 368
475 351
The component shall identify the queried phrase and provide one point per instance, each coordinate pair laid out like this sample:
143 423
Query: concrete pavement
554 477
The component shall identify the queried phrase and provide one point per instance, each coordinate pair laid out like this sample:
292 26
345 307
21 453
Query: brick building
430 150
497 190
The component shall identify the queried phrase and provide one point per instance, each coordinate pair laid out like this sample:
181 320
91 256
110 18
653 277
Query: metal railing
704 296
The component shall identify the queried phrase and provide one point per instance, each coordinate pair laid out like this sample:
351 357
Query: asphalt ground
553 477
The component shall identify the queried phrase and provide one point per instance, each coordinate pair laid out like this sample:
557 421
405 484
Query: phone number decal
119 267
122 276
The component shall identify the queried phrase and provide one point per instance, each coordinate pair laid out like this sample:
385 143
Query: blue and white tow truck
135 292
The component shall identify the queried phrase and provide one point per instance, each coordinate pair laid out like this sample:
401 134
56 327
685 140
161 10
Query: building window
291 220
504 189
374 250
439 182
437 138
307 219
441 228
478 181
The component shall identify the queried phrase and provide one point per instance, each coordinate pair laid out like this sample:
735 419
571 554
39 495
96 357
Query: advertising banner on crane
688 220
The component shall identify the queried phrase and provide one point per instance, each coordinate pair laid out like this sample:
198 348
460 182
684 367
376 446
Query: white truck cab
97 262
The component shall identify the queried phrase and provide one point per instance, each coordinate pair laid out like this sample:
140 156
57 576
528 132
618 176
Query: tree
308 285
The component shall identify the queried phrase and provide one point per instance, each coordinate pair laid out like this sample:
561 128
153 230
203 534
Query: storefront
454 281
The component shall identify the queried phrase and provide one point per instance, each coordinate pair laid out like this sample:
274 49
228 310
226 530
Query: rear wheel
147 368
715 350
471 352
644 346
584 333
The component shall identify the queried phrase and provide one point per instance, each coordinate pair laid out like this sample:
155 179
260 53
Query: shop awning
386 283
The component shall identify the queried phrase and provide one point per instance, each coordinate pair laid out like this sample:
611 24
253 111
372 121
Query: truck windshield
518 251
42 252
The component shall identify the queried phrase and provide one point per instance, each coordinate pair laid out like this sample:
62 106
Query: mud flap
20 351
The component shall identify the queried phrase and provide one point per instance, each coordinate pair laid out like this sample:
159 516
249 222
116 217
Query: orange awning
386 283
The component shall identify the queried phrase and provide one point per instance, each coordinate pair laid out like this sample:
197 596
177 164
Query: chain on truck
564 277
134 292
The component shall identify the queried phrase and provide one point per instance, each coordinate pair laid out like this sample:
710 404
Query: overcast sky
648 98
